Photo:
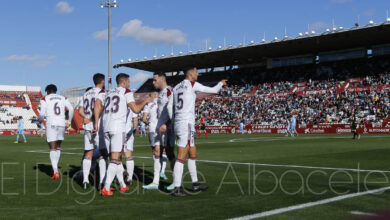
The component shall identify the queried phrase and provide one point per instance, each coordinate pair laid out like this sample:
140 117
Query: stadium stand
18 101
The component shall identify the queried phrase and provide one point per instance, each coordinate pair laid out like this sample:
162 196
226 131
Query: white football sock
53 160
111 172
119 175
157 168
102 169
172 165
178 173
192 169
130 168
86 168
58 154
163 163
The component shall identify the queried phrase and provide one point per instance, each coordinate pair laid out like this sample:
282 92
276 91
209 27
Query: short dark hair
160 74
98 78
51 89
120 77
186 71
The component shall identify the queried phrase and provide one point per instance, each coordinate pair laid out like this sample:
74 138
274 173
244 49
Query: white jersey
115 109
89 99
53 109
162 106
151 109
184 96
129 119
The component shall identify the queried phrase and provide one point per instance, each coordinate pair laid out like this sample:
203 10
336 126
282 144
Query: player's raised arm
201 88
137 108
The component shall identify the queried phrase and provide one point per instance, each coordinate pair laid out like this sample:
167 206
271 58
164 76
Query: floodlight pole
109 4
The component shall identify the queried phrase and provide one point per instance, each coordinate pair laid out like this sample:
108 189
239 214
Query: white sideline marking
363 213
294 166
240 163
309 204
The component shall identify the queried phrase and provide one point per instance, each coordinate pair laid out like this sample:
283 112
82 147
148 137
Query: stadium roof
339 39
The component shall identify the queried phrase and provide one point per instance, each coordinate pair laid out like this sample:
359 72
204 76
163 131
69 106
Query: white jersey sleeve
201 88
70 110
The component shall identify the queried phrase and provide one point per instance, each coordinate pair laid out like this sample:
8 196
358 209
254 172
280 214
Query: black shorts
202 127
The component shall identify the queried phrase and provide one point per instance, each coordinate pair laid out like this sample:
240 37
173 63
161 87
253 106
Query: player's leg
171 154
156 169
182 153
104 147
24 137
129 160
116 144
51 138
163 164
53 158
87 159
17 138
193 171
60 131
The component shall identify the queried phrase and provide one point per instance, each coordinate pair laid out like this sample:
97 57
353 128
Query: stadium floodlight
335 29
210 49
306 33
136 59
172 54
341 27
388 19
327 30
122 61
313 32
219 47
190 52
285 36
230 46
252 42
109 4
241 44
145 58
371 22
263 40
129 59
163 55
154 57
276 38
300 34
181 53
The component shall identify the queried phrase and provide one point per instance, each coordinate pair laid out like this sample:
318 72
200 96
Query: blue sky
63 42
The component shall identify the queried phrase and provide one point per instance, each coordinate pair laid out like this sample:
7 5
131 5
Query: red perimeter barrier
302 129
31 132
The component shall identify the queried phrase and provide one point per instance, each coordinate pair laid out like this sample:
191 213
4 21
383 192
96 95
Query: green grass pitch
266 173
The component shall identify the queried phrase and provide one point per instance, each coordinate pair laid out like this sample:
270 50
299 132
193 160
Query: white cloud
369 13
103 34
149 35
139 78
100 35
37 60
319 25
64 8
